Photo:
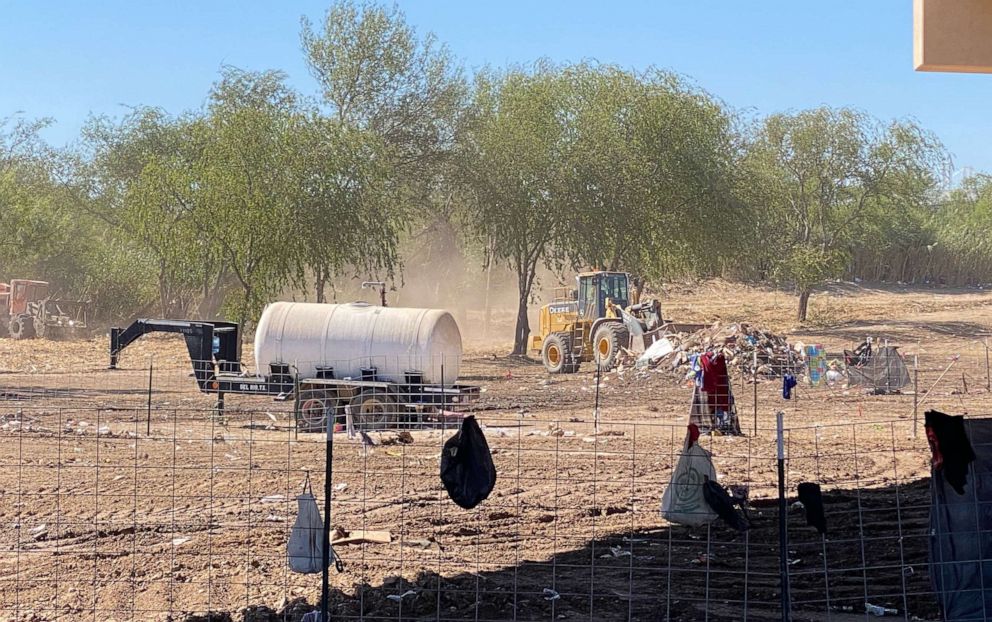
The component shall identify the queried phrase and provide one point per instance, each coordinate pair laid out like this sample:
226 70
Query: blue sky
69 58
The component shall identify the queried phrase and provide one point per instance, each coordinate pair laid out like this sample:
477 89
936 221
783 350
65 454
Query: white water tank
354 336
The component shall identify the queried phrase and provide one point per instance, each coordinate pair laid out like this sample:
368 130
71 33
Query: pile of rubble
739 342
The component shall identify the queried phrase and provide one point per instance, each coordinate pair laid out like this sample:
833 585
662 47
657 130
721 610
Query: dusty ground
104 520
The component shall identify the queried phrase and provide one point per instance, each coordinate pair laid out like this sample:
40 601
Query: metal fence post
754 381
916 393
595 415
988 370
148 422
783 509
325 580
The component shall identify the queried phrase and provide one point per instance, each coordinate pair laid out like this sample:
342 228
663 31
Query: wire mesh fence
128 495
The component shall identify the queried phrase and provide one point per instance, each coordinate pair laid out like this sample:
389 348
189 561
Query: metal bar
148 423
325 559
916 393
783 535
754 379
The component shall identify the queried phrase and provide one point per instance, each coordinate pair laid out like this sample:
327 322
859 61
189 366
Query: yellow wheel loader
594 322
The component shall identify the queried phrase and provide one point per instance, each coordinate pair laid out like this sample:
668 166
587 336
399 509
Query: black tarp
885 371
961 534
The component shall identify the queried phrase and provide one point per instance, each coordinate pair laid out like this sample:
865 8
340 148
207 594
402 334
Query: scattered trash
359 536
340 487
657 350
876 610
399 597
273 499
740 343
180 541
550 594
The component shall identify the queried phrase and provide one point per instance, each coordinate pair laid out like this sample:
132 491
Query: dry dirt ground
114 510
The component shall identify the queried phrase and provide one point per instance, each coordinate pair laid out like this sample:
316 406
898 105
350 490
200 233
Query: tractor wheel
21 327
607 342
557 355
3 328
374 409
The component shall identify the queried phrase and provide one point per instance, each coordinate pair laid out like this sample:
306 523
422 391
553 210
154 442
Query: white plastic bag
683 500
305 548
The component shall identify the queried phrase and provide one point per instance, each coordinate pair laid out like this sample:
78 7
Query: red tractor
27 310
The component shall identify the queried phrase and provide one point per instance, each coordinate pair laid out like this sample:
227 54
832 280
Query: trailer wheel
374 410
313 415
21 327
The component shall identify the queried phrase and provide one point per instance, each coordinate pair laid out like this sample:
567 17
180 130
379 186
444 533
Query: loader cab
595 287
22 292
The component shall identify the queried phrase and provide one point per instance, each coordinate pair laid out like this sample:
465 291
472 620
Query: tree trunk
522 331
803 305
489 309
320 280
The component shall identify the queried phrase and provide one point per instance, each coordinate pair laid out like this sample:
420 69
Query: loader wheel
40 330
21 327
373 409
607 343
557 355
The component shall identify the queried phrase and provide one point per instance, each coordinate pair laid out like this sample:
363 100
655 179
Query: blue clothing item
788 383
697 369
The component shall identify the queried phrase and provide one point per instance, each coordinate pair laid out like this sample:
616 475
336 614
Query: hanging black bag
467 468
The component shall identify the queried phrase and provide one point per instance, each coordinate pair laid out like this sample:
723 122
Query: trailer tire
313 414
21 327
374 409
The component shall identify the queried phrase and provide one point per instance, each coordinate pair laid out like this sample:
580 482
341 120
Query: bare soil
114 510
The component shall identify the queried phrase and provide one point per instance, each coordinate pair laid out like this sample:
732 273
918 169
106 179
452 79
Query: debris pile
739 343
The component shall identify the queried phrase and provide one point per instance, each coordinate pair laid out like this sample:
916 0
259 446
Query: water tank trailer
380 363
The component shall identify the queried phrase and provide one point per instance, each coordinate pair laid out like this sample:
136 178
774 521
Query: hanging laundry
716 382
788 384
721 502
467 469
950 448
812 500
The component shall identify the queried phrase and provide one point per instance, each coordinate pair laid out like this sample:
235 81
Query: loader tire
607 342
21 327
556 354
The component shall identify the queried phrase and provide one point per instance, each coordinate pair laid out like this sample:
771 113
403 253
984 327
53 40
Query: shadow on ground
875 551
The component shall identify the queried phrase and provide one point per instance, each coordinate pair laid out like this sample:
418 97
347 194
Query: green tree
821 173
512 154
378 75
648 173
141 173
343 206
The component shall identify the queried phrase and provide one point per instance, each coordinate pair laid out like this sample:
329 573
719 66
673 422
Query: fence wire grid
127 496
